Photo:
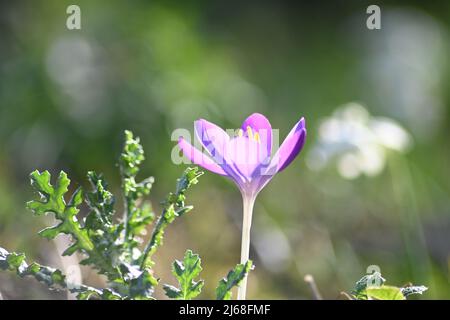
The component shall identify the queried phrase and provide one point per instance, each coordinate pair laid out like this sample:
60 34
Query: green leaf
186 272
101 202
373 280
142 287
234 278
104 234
15 260
52 201
409 290
372 287
51 277
384 293
132 155
107 294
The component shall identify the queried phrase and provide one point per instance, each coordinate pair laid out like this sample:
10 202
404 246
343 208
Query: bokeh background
371 186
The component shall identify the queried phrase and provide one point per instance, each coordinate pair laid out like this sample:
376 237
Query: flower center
252 135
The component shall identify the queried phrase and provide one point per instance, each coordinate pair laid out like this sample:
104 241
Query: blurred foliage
66 97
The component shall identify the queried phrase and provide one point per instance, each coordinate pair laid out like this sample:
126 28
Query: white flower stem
248 203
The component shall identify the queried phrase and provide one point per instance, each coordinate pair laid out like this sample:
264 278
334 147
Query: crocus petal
259 124
290 147
212 137
199 158
245 155
215 140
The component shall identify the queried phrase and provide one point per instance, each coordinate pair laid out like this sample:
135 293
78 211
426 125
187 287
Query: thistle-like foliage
51 277
110 244
52 201
104 233
136 216
233 279
186 272
409 290
372 287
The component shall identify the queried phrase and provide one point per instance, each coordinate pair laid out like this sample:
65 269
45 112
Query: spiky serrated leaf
101 202
53 278
372 287
132 155
138 214
371 280
104 233
234 278
52 201
186 272
14 261
142 287
409 290
172 292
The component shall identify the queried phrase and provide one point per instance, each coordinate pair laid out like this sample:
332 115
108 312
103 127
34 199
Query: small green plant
111 244
372 287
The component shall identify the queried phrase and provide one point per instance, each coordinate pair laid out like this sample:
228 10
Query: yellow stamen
240 133
252 135
249 133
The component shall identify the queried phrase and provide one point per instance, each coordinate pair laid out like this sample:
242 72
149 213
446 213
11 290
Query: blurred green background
66 97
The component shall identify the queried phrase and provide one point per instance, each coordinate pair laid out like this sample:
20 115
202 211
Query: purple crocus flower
246 158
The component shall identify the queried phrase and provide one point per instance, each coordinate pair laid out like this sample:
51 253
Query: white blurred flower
357 142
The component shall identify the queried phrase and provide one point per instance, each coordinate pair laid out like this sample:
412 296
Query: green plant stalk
126 206
153 243
247 203
126 220
53 278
